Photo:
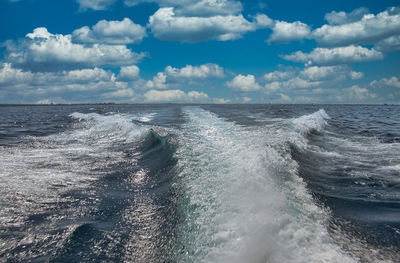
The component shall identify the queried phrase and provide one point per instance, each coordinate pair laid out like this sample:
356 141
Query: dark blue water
208 183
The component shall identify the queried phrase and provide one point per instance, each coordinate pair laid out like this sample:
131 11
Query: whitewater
200 183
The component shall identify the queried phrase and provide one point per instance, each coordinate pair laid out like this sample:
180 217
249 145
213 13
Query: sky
205 51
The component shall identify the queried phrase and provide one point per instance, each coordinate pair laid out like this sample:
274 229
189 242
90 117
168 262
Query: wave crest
311 122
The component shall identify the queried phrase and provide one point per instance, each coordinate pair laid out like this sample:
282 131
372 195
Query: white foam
147 117
307 123
67 158
118 126
244 200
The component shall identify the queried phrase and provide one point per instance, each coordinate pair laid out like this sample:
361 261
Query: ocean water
200 183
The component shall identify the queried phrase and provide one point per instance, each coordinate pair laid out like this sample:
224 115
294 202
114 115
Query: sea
200 183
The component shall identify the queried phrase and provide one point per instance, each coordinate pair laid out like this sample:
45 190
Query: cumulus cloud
110 32
310 80
278 75
369 30
42 50
95 4
284 32
335 56
210 8
202 8
386 82
389 44
244 83
209 70
294 83
285 98
316 73
10 76
174 96
158 82
129 73
263 21
340 18
246 99
74 85
196 96
88 75
166 25
188 73
195 21
357 94
221 101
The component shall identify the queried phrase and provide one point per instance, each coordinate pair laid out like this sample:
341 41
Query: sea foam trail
68 156
243 200
57 188
40 169
357 177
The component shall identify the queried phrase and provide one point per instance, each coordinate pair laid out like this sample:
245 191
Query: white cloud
300 83
129 73
186 74
197 96
42 50
340 18
279 75
88 75
263 21
76 85
202 8
316 73
158 82
244 83
165 25
285 98
284 32
386 82
354 75
389 44
272 87
370 29
335 56
110 32
357 94
175 96
319 73
309 82
40 32
210 8
246 99
209 70
95 4
9 75
195 21
294 83
221 101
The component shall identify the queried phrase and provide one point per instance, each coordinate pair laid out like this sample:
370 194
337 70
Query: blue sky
207 51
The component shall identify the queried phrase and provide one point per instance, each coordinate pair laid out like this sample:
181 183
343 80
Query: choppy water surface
207 183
